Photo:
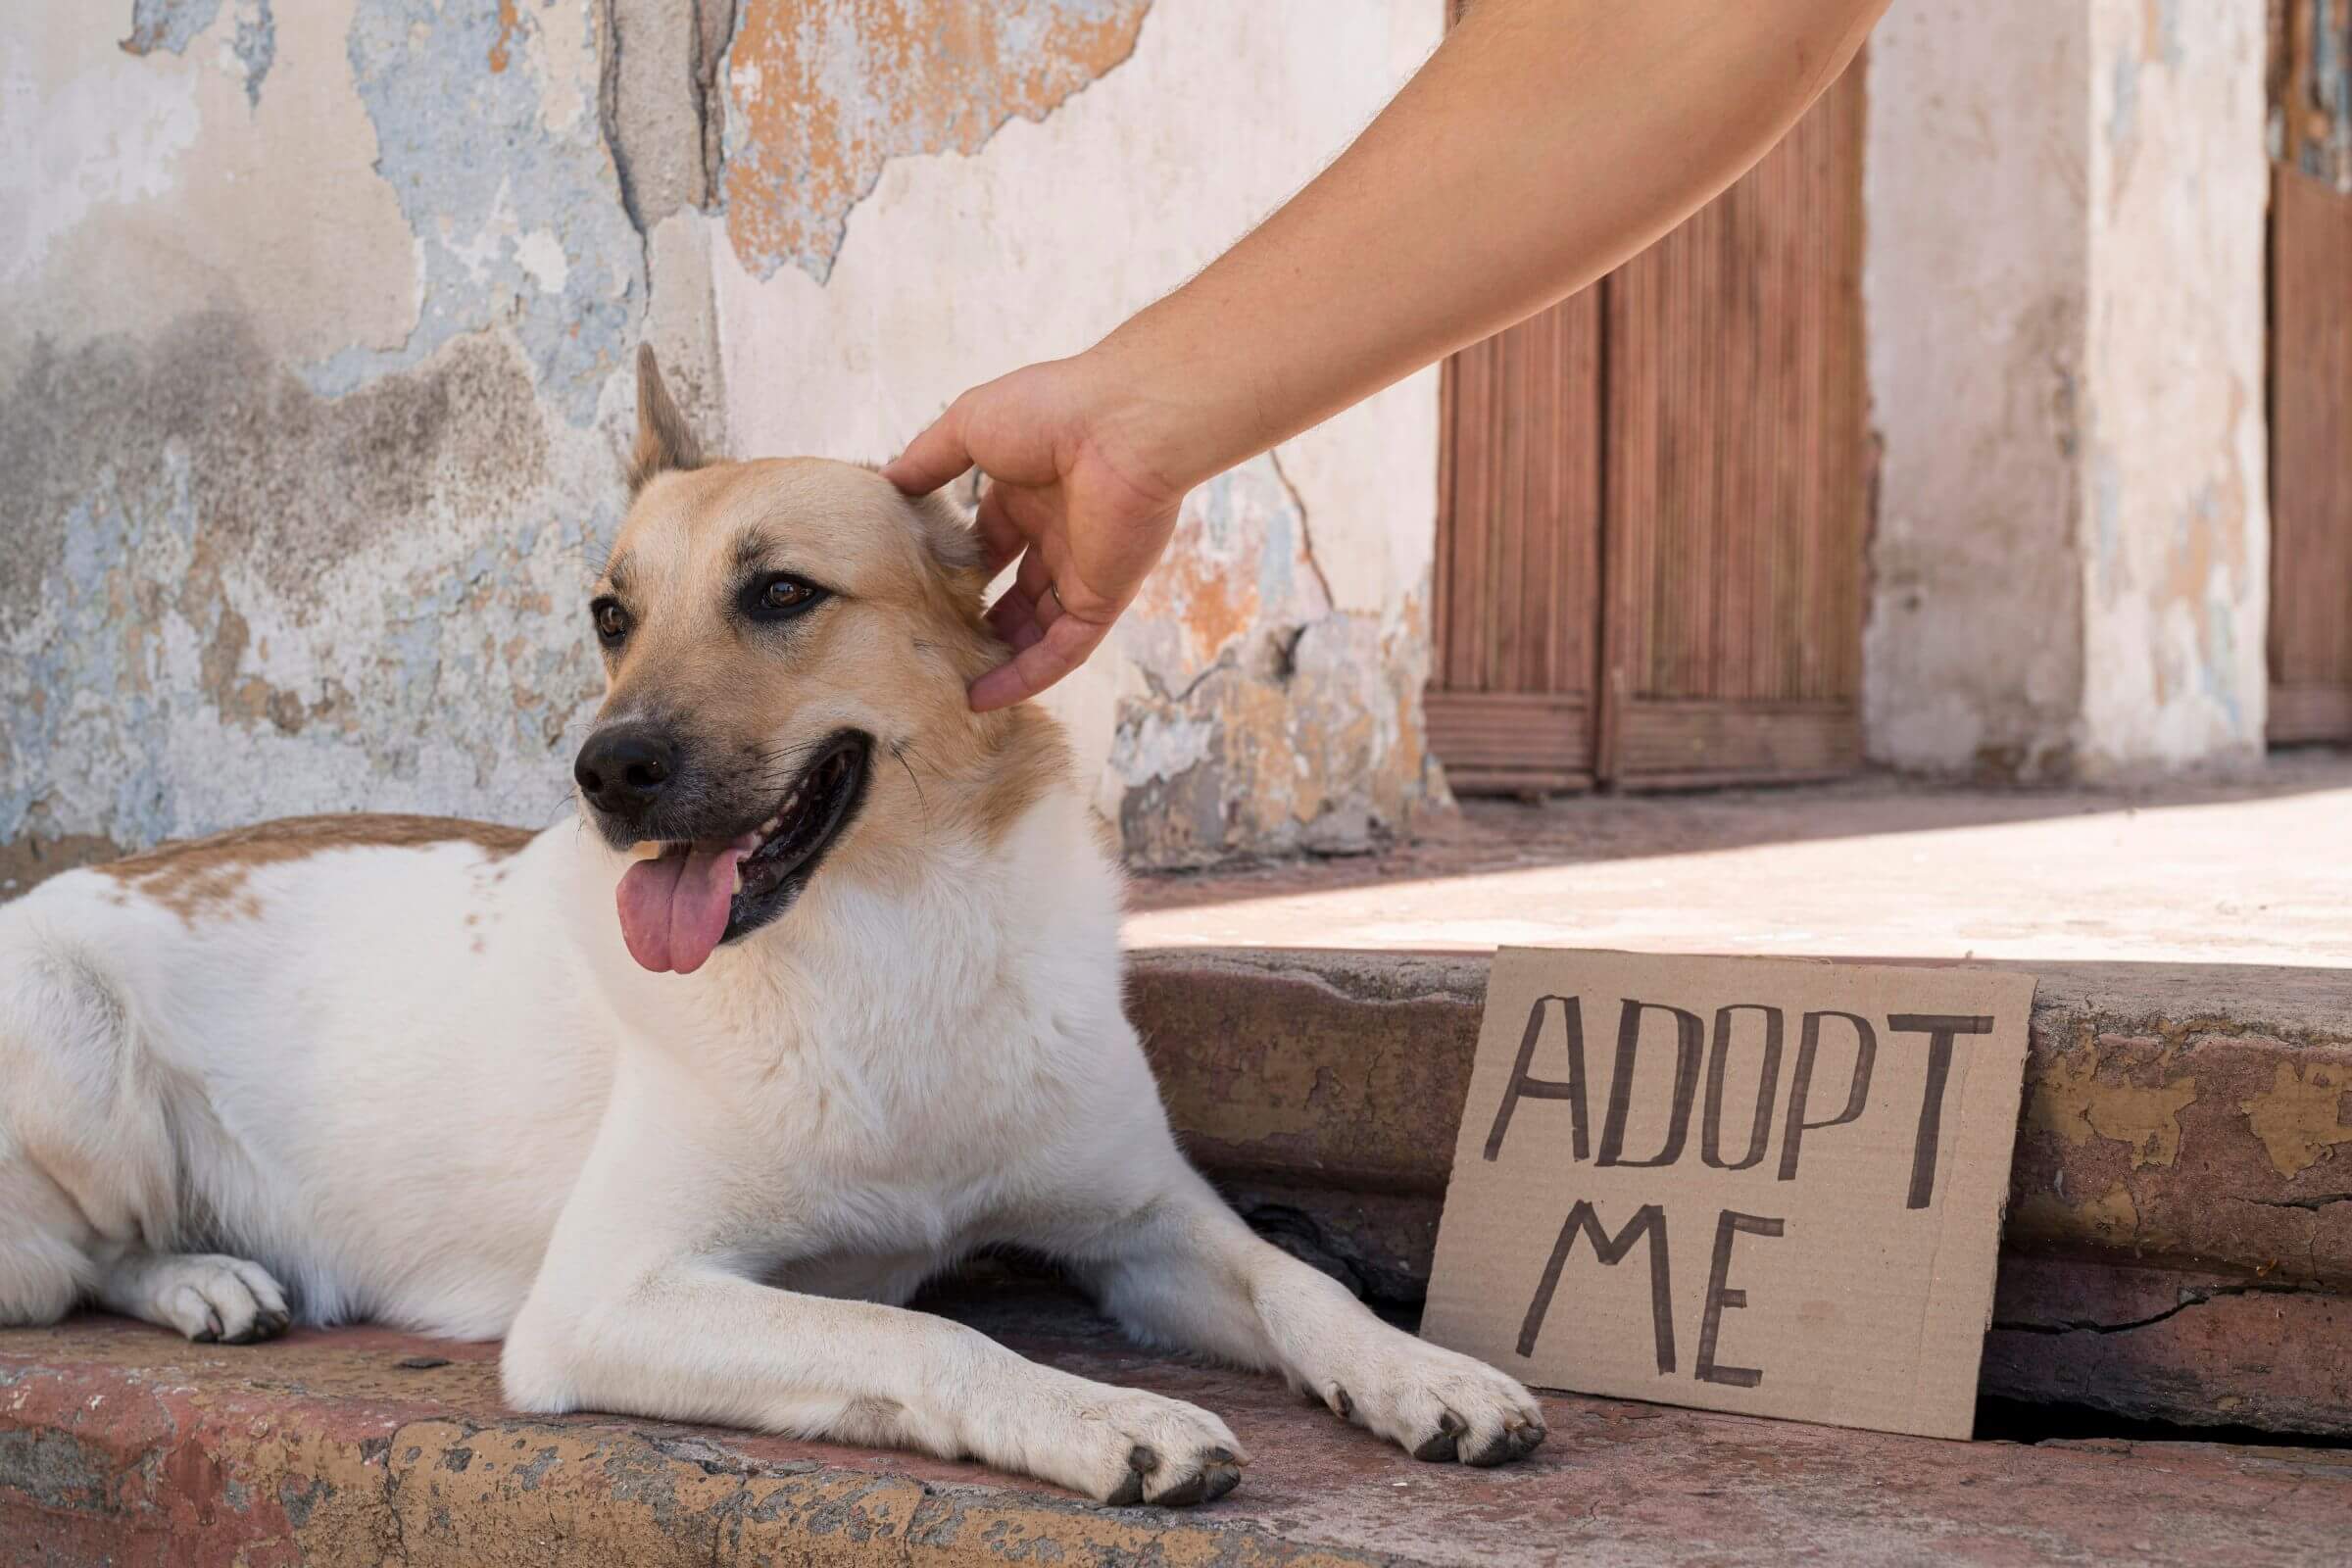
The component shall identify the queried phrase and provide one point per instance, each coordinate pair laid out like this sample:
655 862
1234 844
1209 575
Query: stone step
123 1445
2179 1241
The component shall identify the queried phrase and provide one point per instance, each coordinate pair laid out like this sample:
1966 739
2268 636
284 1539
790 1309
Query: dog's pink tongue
674 909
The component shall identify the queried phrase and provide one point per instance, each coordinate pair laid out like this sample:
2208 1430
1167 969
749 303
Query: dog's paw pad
1169 1454
1445 1408
1439 1448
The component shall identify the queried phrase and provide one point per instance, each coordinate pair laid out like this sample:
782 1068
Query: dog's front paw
1439 1406
1122 1446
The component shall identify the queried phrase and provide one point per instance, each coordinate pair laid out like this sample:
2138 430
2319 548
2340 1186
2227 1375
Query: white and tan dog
860 1014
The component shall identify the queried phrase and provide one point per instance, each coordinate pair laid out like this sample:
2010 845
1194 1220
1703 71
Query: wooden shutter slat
2310 640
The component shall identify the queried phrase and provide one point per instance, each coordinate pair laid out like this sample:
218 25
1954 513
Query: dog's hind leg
44 1269
45 1261
89 1181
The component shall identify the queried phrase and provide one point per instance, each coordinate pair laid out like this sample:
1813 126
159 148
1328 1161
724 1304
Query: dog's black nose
623 770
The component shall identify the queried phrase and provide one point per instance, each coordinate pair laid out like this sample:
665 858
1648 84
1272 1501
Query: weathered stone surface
123 1444
2156 1343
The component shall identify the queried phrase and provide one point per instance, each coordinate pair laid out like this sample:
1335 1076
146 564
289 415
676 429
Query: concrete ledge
2156 1343
2179 1233
2187 1114
122 1444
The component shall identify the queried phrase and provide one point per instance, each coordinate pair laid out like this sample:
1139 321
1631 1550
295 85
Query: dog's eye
781 595
611 621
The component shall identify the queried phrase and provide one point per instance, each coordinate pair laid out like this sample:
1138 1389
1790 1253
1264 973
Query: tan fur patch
195 877
1029 758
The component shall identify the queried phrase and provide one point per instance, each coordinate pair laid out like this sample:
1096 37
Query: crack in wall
1306 530
2195 1297
659 70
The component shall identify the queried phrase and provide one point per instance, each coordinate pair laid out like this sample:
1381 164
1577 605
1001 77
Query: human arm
1543 145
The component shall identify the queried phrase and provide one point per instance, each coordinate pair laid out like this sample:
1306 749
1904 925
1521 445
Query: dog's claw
1220 1472
1440 1446
1141 1463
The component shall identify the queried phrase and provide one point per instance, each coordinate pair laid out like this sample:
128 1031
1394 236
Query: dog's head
785 642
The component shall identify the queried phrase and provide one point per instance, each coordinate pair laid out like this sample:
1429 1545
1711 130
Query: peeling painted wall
2065 291
316 369
1266 692
1975 289
316 361
2176 565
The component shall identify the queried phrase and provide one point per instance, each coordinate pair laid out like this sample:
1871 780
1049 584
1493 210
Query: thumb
936 456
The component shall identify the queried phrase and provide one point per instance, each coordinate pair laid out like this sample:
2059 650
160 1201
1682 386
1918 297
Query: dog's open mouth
680 905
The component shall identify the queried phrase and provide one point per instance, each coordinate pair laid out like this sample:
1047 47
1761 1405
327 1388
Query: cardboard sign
1766 1185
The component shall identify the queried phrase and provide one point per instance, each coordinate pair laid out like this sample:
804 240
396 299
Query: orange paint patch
508 21
826 91
1212 598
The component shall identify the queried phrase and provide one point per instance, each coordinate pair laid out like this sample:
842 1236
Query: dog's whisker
898 749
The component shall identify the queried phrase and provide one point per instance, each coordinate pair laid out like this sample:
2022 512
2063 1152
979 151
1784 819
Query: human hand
1072 494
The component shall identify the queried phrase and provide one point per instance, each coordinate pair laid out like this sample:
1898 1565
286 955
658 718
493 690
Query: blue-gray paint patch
2122 121
172 25
2167 34
2217 661
167 25
225 606
256 46
518 224
2107 509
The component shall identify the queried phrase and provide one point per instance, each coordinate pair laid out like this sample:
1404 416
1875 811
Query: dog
684 1099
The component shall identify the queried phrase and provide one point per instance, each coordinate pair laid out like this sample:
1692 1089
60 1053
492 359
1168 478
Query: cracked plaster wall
1265 691
2065 288
316 369
316 362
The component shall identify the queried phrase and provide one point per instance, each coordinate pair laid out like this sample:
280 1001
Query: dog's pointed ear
953 543
664 442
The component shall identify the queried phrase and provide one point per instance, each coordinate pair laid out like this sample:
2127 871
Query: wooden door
1651 502
1517 578
2311 391
1734 498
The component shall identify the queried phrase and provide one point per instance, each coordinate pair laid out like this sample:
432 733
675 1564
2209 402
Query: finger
1013 619
935 457
1036 580
999 536
1063 648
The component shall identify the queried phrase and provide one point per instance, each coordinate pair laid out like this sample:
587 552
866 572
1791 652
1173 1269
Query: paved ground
2254 873
122 1444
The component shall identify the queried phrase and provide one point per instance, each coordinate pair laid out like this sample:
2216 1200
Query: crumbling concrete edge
340 1480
